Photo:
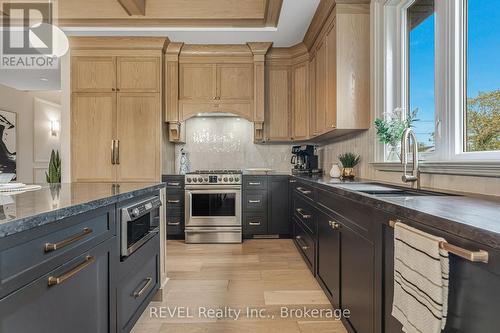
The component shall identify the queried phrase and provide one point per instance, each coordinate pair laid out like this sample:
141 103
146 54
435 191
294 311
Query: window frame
390 50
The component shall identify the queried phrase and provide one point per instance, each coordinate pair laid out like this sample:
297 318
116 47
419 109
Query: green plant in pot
390 130
53 175
348 161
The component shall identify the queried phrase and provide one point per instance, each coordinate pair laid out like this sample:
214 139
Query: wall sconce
55 127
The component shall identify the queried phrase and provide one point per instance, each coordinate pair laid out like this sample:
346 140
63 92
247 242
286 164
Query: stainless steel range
213 206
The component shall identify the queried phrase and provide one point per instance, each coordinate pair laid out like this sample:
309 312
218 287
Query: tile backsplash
227 143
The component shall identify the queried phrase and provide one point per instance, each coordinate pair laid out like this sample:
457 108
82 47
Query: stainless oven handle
212 188
217 229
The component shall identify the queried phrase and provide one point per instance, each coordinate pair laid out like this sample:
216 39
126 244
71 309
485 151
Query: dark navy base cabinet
174 206
80 304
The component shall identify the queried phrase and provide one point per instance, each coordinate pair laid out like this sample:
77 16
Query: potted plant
53 176
390 130
349 161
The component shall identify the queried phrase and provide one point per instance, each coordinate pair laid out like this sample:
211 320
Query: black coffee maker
304 160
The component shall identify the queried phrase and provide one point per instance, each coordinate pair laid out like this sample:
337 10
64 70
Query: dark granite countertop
24 211
473 217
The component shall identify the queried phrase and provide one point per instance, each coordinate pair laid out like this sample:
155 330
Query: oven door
213 206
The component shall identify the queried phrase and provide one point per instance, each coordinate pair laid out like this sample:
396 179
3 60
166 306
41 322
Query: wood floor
265 279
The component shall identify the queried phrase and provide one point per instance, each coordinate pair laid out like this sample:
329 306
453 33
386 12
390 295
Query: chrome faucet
415 173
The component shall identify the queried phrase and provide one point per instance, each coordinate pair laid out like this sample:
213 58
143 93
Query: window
440 60
482 114
421 71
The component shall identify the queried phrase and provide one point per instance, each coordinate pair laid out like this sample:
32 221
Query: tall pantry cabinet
116 103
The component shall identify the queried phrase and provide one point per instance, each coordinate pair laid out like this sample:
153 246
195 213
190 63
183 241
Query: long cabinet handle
54 281
173 223
254 223
300 211
49 247
253 201
141 291
173 201
254 184
301 244
113 155
117 151
303 191
173 184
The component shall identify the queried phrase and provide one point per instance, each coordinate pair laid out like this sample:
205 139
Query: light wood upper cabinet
93 74
138 74
331 84
138 132
320 125
235 81
109 73
300 119
93 119
197 82
278 104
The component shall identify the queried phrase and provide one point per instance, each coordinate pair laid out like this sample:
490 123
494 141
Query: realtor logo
29 38
27 28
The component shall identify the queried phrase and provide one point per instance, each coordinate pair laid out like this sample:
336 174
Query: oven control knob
135 212
188 180
236 179
195 180
225 179
206 179
220 179
231 179
200 180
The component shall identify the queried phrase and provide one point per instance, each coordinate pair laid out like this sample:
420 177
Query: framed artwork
8 128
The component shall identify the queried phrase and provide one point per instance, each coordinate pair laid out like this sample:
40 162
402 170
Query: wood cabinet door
331 83
312 96
93 117
278 206
197 82
138 132
86 292
278 104
235 81
300 118
138 74
93 74
358 279
321 90
329 257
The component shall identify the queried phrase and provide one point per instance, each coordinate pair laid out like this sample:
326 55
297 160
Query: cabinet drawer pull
253 201
174 223
300 211
334 225
254 184
54 281
301 244
173 201
139 293
293 181
49 247
254 223
304 247
303 191
173 184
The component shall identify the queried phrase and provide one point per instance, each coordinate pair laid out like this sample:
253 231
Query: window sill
462 168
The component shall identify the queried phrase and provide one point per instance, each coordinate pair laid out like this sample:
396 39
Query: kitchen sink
380 190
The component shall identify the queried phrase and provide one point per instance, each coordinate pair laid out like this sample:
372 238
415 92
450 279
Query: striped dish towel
421 271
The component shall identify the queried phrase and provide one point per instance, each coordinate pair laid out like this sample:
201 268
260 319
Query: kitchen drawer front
139 280
81 303
254 183
174 182
255 201
175 224
304 212
175 200
254 224
25 257
304 243
305 190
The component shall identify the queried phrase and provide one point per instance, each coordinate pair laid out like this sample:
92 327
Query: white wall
227 143
23 103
